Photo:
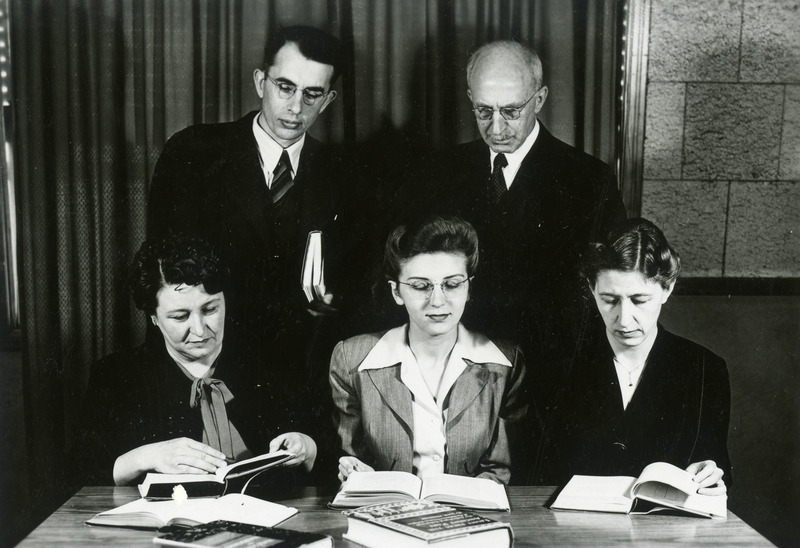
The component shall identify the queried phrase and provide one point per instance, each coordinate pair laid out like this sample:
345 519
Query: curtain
99 85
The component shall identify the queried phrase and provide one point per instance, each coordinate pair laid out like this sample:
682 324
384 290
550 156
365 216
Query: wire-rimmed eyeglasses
509 113
451 288
287 91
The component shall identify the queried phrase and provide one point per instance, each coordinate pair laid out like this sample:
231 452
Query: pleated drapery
99 85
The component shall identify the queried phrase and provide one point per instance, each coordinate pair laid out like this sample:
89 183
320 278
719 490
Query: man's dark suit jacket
678 414
527 286
209 183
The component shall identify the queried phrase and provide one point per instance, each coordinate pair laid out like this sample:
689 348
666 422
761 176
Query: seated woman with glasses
429 396
638 394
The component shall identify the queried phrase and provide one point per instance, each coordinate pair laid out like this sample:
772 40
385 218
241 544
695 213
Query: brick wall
722 135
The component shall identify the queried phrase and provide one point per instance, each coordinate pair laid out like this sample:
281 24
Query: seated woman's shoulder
352 351
130 358
502 347
690 352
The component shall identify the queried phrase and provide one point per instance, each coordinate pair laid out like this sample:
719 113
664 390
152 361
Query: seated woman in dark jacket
429 396
181 403
638 394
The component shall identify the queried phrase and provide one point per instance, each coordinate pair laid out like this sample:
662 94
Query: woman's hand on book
175 456
708 476
303 447
348 465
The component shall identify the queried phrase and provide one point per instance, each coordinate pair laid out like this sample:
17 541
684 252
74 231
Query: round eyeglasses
451 289
508 113
287 91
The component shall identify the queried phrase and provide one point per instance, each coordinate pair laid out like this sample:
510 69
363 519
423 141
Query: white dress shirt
515 158
269 152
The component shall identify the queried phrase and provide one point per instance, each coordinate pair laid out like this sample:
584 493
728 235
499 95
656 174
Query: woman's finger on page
716 490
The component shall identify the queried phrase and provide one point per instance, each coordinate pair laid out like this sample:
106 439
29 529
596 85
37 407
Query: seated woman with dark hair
638 394
429 396
181 402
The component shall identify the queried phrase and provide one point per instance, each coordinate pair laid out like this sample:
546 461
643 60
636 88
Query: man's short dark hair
312 42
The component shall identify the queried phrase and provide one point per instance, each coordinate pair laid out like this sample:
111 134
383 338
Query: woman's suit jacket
679 412
374 420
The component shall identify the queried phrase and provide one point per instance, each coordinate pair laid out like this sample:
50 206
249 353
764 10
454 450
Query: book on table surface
422 523
661 486
362 488
231 534
153 514
232 478
312 276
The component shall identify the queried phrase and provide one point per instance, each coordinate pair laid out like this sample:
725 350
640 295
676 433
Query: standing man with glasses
255 188
535 202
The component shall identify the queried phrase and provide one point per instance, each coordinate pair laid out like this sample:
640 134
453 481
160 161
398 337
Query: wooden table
534 524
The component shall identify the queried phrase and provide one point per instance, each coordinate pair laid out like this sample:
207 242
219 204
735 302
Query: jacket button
622 446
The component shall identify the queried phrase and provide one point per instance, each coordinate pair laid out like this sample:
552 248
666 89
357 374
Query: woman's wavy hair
439 234
162 262
637 245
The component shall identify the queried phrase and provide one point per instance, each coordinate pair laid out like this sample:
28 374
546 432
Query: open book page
664 472
253 464
242 468
660 496
478 493
596 493
362 488
233 507
672 487
383 482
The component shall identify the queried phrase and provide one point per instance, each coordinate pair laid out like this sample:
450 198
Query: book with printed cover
230 534
422 523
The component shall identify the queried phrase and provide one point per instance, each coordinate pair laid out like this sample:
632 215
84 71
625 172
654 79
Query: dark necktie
497 183
281 179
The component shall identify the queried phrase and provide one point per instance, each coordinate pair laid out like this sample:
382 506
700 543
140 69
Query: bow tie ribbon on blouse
212 395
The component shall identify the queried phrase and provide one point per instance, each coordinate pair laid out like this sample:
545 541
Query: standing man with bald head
535 201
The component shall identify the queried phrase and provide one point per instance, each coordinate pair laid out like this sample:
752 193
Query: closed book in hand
229 534
227 479
422 523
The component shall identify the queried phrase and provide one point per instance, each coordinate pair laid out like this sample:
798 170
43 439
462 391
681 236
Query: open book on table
660 486
152 514
227 479
362 488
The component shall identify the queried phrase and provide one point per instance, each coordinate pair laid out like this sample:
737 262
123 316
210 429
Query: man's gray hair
525 54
